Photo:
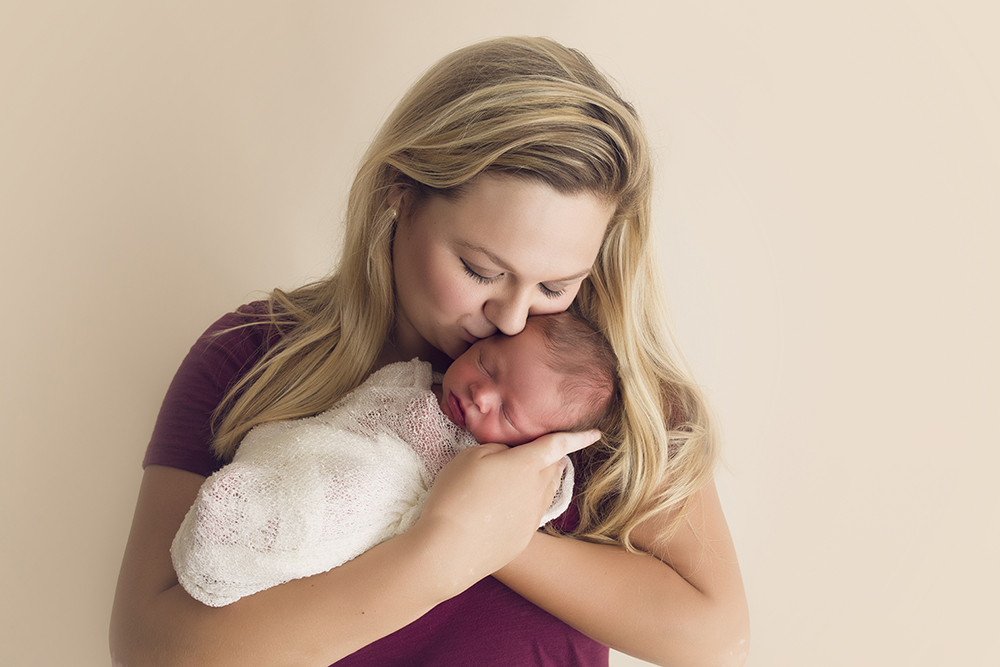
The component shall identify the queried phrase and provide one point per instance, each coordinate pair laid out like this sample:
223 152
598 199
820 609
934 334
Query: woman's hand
489 500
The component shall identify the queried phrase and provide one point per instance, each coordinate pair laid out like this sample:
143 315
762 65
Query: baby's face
501 390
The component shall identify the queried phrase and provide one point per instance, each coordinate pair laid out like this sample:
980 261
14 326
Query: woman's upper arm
146 572
702 552
165 496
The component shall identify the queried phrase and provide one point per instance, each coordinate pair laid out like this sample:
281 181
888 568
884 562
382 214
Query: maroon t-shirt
487 625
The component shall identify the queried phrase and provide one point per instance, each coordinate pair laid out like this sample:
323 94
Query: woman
510 181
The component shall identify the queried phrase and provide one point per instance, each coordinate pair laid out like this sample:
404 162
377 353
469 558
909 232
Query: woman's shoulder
225 352
254 320
243 335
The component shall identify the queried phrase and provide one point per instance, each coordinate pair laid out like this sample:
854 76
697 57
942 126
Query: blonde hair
529 108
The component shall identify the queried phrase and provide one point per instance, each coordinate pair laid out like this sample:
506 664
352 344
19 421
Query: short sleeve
182 436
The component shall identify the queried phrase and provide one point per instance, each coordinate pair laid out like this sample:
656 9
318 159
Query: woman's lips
472 337
455 408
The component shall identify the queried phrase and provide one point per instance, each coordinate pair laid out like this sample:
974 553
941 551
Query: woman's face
468 267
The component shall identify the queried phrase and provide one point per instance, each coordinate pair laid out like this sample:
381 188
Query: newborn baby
303 496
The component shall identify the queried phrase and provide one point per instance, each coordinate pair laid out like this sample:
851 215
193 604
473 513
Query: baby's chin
475 435
480 437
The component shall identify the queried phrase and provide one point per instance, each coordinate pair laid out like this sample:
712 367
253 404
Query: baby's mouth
455 408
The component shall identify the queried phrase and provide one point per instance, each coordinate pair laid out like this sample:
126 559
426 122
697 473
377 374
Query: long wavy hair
534 109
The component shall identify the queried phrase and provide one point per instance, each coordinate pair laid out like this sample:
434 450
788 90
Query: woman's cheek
453 297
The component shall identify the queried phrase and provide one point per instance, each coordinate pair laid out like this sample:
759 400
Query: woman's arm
682 604
311 621
318 620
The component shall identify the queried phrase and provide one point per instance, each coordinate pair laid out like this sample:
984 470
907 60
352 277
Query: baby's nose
484 398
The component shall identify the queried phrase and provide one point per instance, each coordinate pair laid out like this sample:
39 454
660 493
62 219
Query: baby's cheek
486 435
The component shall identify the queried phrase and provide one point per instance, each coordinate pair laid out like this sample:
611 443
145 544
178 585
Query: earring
393 213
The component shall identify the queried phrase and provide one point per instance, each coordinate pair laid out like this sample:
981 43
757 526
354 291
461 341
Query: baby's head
558 374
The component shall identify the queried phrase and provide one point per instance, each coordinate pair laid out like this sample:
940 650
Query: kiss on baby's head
558 374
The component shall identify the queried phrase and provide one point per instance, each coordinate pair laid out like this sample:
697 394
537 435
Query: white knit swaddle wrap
301 497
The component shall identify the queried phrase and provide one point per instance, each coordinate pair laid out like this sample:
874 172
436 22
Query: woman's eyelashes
477 274
551 293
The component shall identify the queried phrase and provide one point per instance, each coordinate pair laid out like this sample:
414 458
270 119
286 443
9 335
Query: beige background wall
828 203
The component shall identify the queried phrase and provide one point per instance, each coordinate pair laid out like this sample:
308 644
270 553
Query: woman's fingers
553 447
489 500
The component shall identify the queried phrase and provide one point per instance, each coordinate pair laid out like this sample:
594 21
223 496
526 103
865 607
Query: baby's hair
586 362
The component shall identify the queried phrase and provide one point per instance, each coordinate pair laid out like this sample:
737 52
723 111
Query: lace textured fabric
301 497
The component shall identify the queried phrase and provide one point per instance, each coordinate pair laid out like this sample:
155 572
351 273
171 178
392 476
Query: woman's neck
392 352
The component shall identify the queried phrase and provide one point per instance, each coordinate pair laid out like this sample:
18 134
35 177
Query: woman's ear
398 198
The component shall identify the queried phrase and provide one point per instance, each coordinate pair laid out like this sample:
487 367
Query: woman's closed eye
483 276
478 274
551 293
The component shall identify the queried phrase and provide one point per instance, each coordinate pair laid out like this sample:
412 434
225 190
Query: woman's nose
508 313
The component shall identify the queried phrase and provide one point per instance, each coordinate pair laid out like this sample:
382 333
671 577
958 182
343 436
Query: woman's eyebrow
496 259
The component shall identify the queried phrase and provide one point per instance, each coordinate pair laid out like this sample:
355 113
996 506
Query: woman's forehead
523 225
